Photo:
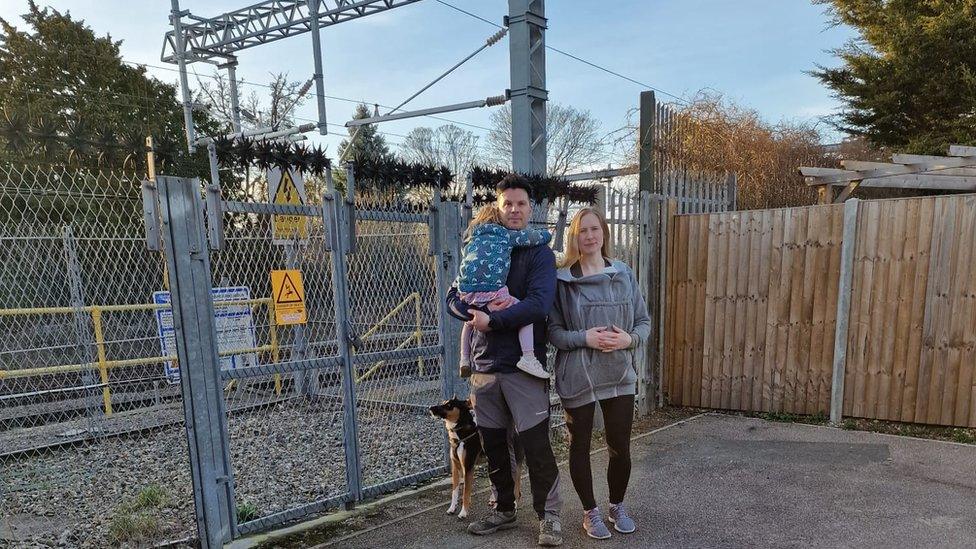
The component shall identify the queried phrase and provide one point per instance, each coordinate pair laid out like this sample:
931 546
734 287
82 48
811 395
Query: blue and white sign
235 329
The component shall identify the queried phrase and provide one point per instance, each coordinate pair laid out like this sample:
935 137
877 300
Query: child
485 262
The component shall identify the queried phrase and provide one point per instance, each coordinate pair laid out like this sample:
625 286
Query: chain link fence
92 446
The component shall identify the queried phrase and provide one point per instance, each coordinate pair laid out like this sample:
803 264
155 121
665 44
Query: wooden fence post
668 210
843 309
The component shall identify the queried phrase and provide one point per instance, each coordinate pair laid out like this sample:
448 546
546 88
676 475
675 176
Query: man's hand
501 304
614 339
479 320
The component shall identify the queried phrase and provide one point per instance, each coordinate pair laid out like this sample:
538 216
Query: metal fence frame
217 521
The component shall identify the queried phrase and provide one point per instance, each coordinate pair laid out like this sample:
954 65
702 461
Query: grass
133 528
152 497
246 511
136 520
785 417
914 430
965 436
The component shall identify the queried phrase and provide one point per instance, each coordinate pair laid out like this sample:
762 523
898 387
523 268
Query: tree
365 142
908 81
714 135
573 139
283 98
65 93
446 145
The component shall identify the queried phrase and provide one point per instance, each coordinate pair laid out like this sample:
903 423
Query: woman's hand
613 339
594 336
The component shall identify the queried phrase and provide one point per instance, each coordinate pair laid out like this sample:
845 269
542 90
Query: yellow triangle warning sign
287 192
287 188
289 297
288 292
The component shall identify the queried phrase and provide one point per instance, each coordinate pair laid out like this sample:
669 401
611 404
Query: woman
597 322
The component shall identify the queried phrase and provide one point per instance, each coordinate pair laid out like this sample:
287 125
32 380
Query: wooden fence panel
749 325
752 310
913 354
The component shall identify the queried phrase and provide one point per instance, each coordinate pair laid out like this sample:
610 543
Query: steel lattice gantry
527 54
261 23
216 40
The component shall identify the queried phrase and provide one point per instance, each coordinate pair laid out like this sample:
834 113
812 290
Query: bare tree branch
446 145
573 139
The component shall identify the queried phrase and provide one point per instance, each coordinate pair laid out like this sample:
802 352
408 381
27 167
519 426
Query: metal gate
283 419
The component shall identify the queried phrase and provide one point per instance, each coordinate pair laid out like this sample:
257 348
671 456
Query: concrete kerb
331 518
335 518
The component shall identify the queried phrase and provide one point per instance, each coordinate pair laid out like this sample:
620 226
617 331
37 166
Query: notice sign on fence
289 297
235 329
288 188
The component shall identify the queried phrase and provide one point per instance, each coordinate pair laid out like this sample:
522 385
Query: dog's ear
467 403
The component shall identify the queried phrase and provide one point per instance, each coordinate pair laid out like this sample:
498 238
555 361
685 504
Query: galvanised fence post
195 330
449 254
335 216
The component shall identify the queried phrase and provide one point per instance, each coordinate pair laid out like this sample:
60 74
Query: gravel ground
284 455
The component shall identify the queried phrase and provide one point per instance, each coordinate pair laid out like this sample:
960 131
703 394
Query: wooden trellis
956 172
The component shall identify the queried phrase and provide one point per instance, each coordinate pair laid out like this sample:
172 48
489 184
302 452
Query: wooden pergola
956 172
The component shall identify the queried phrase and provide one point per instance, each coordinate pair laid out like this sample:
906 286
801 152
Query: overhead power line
572 56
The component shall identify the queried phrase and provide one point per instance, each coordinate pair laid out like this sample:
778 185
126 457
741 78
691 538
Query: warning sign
289 297
288 187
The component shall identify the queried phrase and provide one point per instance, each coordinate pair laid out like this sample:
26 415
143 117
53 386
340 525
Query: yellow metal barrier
103 365
417 335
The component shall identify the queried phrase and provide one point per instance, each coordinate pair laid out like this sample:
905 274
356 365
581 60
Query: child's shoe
531 365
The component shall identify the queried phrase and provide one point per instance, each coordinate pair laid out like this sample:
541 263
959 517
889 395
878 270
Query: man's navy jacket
532 279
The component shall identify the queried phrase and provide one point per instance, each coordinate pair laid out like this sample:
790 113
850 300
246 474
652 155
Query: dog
466 450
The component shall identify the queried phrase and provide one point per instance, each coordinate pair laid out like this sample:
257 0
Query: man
504 395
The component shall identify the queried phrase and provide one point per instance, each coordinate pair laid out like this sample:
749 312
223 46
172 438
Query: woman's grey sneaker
492 522
621 520
594 525
550 533
531 365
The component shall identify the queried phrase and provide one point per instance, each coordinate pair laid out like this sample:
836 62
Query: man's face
515 207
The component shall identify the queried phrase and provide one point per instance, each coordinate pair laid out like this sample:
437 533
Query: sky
755 52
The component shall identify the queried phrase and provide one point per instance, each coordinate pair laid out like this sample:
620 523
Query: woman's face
590 238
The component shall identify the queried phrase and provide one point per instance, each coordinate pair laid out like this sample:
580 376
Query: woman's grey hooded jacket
608 298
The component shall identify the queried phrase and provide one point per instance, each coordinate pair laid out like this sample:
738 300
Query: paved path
724 481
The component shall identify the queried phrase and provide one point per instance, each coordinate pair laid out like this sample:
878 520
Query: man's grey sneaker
620 519
531 365
550 533
494 521
594 525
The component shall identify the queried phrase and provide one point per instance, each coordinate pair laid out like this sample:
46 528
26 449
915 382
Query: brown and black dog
465 452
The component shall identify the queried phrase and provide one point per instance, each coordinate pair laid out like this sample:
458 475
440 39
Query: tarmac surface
726 481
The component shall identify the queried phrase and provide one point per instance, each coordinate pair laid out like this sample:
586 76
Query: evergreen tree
66 92
365 144
908 80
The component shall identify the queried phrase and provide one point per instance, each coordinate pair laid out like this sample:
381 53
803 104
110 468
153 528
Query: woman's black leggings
618 418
